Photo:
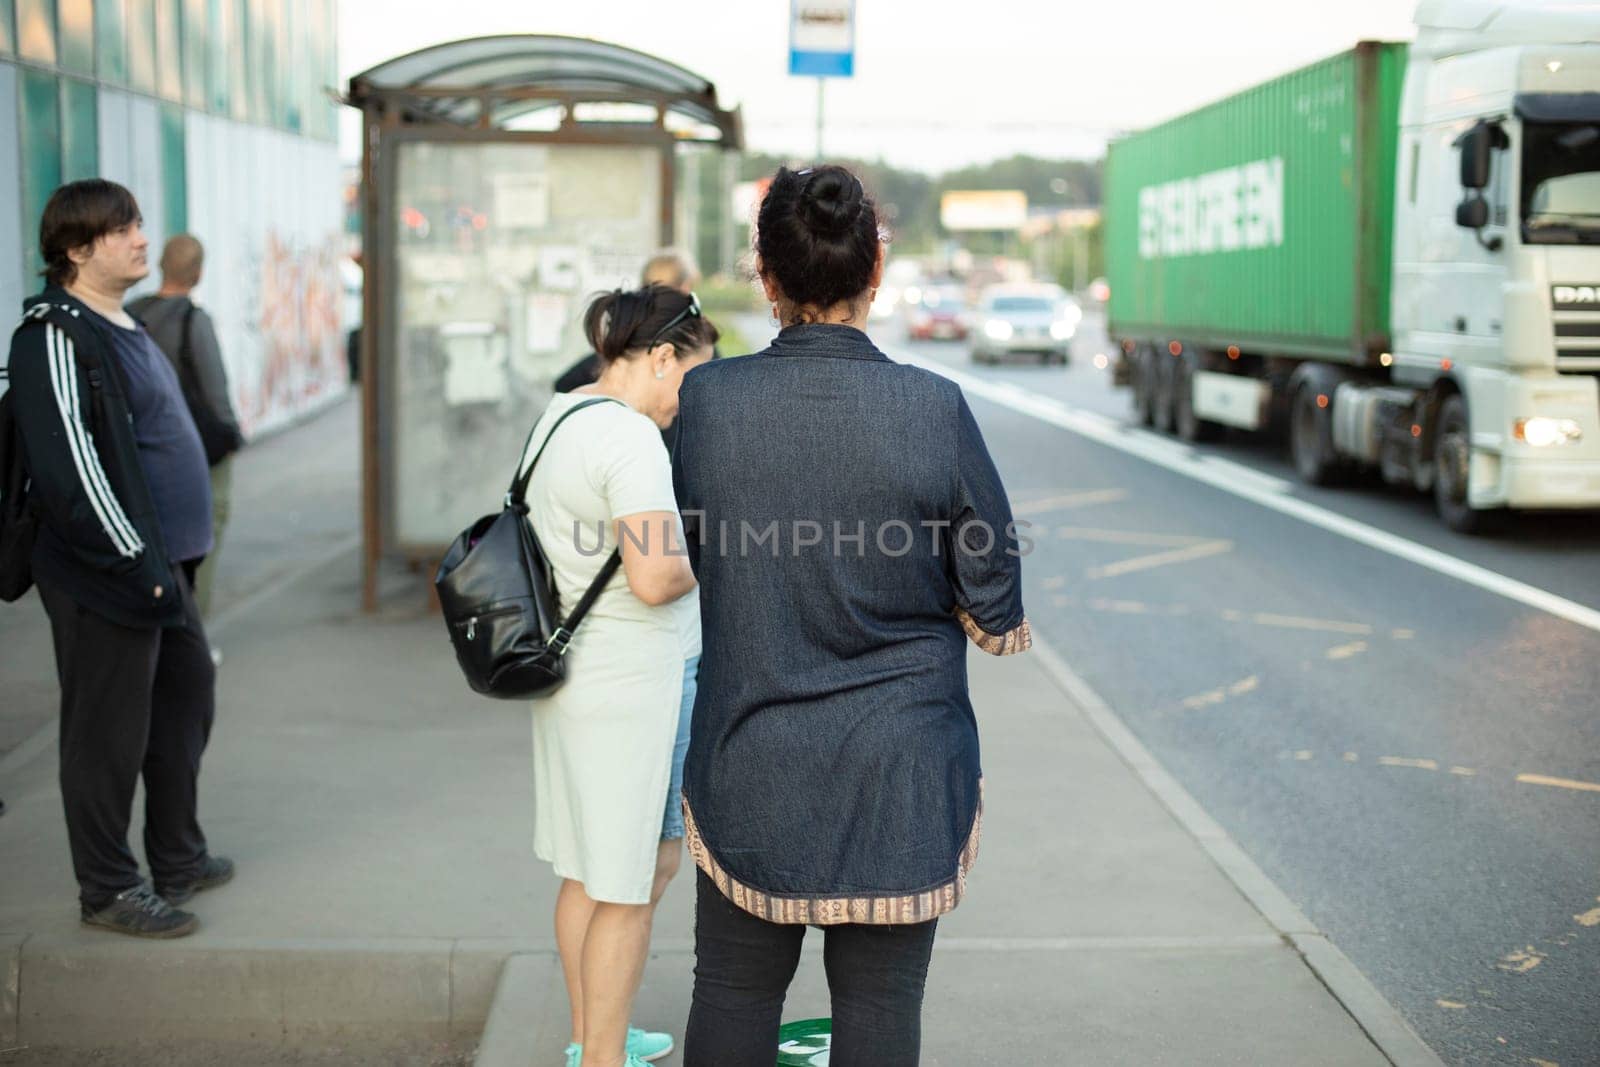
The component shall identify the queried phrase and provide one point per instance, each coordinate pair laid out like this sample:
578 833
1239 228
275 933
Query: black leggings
743 966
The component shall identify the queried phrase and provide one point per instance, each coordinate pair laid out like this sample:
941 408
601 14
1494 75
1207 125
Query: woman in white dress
603 743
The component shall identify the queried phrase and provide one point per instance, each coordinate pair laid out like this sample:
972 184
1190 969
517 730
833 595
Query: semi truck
1393 255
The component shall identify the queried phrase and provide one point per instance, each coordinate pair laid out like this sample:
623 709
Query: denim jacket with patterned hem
850 533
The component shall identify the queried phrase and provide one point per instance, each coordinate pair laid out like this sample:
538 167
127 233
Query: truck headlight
1542 432
1061 329
997 330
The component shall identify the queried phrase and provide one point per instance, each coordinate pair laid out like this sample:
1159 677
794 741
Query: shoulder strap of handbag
517 497
186 343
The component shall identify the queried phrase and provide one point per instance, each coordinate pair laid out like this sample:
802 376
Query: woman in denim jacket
849 533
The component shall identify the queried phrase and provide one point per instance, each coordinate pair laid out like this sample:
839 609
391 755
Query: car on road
1037 320
940 314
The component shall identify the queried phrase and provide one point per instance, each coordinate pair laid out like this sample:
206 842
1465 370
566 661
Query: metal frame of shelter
477 91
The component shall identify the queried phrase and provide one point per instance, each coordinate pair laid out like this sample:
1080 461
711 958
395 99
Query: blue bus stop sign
822 38
805 1043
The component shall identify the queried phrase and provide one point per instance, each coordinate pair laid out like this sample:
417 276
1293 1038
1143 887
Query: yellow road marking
1521 962
1404 761
1135 607
1070 500
1121 607
1350 651
1162 559
1465 772
1296 622
1590 917
1451 1004
1124 537
1559 783
1222 693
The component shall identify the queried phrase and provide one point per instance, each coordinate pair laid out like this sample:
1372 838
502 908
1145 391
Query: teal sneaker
643 1047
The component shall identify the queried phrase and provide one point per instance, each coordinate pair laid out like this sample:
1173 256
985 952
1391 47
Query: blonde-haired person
671 267
606 777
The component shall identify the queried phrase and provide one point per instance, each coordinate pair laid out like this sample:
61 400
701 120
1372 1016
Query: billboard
983 209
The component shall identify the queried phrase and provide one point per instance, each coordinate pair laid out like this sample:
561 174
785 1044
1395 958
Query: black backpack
499 597
19 519
19 515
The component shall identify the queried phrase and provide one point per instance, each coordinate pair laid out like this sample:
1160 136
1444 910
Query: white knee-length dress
602 743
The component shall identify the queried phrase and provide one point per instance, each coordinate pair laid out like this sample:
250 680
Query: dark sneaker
215 871
141 913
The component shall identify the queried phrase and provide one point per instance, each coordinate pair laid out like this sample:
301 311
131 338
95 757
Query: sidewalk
380 817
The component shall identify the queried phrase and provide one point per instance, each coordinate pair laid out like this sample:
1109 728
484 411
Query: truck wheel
1311 439
1452 463
1190 427
1144 386
1161 396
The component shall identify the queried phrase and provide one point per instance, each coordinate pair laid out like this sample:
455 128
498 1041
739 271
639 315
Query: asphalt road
1411 756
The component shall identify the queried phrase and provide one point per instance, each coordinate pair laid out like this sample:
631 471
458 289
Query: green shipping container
1264 220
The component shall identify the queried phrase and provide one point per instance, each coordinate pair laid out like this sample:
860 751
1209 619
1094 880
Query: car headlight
997 330
1062 329
1542 432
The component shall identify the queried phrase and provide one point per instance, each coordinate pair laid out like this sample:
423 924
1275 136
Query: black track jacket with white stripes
99 541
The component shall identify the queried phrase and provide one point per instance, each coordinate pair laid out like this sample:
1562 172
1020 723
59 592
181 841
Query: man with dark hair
184 331
118 474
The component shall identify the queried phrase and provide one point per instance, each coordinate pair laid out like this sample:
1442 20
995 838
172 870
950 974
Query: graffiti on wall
293 299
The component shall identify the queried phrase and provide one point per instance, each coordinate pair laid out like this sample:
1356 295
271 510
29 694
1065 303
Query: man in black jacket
119 474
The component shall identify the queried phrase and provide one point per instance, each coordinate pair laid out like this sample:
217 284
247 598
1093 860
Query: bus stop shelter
504 179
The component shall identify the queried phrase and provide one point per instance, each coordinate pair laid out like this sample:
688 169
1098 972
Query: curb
85 993
507 1040
1376 1017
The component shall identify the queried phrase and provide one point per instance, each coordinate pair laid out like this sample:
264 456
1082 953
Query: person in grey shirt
187 335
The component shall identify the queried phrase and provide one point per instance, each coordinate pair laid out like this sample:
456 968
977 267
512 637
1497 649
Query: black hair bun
831 201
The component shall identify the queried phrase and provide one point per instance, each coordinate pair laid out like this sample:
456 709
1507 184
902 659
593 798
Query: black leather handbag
499 596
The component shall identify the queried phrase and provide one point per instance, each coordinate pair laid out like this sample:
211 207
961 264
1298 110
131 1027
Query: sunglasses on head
692 311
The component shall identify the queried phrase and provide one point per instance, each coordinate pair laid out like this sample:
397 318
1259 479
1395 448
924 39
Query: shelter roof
493 81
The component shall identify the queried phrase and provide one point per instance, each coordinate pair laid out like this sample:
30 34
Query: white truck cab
1495 300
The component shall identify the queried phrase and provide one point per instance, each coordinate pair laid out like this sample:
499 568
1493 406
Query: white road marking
1183 460
1353 649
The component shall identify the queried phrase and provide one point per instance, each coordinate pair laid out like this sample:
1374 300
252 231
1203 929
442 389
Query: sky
938 84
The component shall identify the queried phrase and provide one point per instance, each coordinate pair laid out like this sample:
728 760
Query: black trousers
134 702
743 966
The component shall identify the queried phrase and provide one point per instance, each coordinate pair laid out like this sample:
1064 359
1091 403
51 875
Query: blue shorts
672 822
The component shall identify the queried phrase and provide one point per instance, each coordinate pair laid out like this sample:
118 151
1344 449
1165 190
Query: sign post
822 44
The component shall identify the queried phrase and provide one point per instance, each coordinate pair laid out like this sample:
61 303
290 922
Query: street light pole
820 83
